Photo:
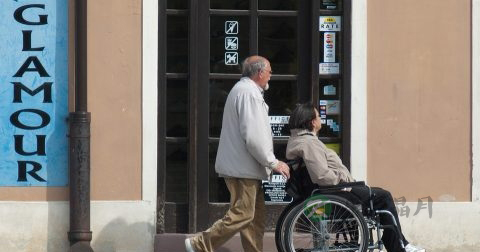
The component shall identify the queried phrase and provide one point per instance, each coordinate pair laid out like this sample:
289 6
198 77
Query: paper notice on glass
328 4
332 107
279 119
329 90
329 47
279 125
329 68
330 23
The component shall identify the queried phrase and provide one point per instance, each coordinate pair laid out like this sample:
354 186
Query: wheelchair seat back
300 185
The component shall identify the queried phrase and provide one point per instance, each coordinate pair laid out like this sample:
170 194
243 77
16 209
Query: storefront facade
397 83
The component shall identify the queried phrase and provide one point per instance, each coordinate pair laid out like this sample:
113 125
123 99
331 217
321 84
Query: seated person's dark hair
302 117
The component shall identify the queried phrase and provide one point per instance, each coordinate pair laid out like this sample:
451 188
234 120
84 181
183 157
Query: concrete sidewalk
173 242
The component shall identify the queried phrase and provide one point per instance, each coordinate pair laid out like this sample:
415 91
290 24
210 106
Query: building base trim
43 226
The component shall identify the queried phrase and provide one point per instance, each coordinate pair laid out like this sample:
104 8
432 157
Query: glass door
201 47
238 29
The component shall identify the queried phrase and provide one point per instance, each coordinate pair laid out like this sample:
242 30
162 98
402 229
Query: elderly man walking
244 158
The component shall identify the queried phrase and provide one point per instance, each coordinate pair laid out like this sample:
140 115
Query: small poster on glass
279 126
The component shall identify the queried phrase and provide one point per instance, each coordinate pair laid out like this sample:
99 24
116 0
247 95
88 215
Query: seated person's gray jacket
324 165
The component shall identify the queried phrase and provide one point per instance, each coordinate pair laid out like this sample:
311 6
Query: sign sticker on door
329 47
329 68
279 125
231 27
231 43
231 58
330 23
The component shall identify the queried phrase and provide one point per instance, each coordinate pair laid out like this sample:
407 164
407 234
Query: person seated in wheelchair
326 168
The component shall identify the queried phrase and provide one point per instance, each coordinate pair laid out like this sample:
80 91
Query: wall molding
127 226
358 158
149 99
475 100
41 226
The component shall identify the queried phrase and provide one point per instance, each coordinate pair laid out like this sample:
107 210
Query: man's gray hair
251 67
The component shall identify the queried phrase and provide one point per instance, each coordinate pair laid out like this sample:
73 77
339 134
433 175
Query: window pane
229 43
177 4
278 4
278 43
177 173
177 44
230 4
218 191
335 147
219 90
177 107
281 97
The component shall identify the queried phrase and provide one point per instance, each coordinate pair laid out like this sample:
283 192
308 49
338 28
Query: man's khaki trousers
246 215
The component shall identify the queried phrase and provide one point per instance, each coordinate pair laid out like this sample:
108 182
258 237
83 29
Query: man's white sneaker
411 248
188 246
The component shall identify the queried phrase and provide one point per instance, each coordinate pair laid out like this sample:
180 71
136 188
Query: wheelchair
327 218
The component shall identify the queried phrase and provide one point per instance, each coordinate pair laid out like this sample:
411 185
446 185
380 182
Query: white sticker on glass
231 43
231 27
330 23
231 58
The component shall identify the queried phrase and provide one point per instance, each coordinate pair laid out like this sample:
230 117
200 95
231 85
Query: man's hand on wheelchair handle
283 169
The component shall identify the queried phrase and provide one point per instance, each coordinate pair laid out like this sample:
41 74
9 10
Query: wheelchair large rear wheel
326 223
282 224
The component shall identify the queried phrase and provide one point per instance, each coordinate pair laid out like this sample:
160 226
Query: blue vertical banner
33 93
